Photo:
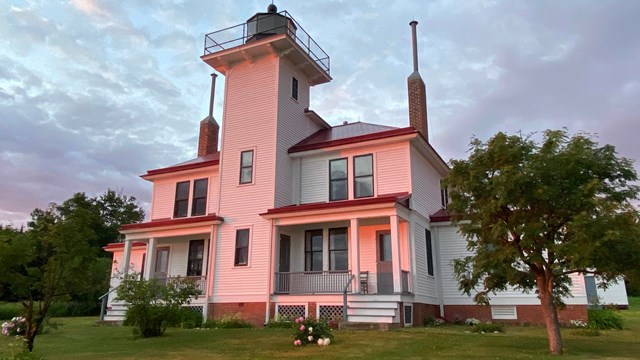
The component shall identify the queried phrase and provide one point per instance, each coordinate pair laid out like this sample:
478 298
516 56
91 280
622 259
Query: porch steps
372 312
115 312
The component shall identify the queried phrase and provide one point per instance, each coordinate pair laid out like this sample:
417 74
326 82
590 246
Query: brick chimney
417 91
209 128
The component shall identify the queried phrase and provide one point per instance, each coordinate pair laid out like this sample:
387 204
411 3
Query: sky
95 93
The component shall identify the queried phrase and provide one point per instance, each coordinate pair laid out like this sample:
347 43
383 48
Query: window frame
334 250
345 179
253 161
176 200
295 88
236 262
429 249
356 177
193 257
194 198
309 252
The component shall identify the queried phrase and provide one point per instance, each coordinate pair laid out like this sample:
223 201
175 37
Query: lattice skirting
291 312
330 312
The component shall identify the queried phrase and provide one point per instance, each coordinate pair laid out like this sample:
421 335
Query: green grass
79 338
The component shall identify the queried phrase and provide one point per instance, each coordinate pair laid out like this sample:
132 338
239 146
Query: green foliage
431 320
586 332
280 324
10 310
536 212
227 322
153 305
488 327
188 318
605 319
309 331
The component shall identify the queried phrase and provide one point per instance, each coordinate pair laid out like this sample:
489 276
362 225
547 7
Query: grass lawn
79 338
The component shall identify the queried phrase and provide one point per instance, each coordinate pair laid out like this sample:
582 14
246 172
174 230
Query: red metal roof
440 216
400 198
114 246
169 222
348 134
202 161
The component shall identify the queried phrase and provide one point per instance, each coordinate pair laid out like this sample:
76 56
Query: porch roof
111 247
400 198
163 223
440 216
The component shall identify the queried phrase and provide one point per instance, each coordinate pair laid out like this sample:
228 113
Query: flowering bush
472 321
308 331
578 324
433 321
15 327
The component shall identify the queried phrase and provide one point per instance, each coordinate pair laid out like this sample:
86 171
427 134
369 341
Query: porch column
210 270
150 261
126 256
355 253
395 253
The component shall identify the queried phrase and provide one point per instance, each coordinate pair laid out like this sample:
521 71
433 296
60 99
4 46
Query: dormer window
181 206
444 196
294 88
338 179
199 203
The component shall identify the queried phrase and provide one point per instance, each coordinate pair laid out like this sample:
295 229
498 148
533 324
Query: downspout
267 314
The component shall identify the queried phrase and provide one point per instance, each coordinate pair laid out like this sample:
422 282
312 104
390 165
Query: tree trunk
550 314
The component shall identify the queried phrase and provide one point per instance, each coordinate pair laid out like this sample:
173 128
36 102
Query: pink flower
301 327
297 343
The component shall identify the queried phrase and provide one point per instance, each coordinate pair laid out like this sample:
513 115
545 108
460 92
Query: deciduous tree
536 212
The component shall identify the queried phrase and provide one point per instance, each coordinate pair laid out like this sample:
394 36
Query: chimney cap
413 22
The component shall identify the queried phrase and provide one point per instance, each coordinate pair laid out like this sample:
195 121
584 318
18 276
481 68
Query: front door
385 265
162 263
284 264
285 253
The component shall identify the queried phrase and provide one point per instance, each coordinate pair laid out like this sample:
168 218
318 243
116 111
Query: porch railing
407 287
200 281
312 282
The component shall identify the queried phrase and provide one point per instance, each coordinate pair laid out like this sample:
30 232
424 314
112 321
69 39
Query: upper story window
338 249
246 167
313 245
363 176
294 88
181 206
199 203
444 196
242 248
429 252
338 189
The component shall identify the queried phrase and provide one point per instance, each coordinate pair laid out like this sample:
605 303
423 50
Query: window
196 257
294 88
242 247
246 167
313 250
444 196
199 204
427 234
181 206
363 175
384 246
338 249
338 179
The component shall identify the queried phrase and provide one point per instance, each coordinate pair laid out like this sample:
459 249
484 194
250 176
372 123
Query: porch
330 282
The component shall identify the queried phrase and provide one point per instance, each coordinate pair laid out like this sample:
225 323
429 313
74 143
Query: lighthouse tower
269 64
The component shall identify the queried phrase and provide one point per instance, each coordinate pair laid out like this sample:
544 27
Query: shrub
14 327
309 331
227 322
187 318
472 321
604 319
488 327
432 321
153 305
280 324
458 319
73 308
